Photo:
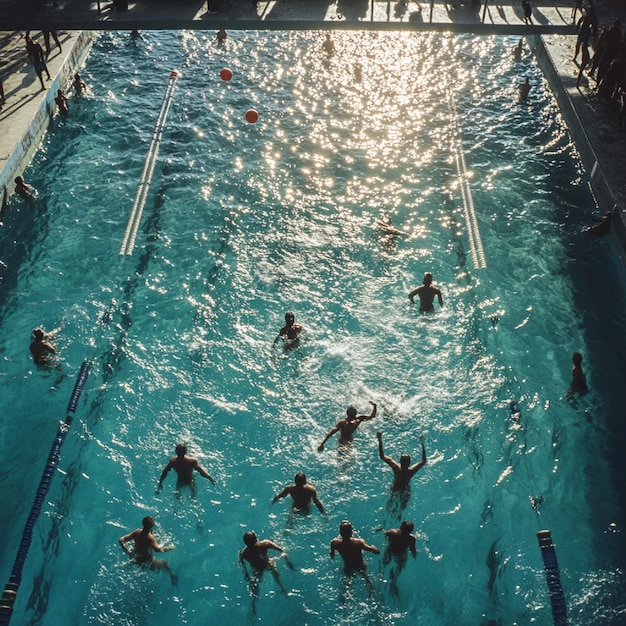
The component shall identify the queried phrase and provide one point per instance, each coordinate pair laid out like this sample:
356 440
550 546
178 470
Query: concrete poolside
591 120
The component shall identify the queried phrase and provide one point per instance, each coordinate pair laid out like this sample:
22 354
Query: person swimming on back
426 294
289 332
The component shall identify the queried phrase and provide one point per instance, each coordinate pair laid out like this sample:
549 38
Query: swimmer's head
38 334
181 449
250 538
300 479
345 529
405 461
351 412
406 528
77 76
19 180
290 318
577 358
147 522
428 278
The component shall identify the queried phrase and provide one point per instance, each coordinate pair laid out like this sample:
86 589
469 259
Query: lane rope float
130 234
9 595
477 251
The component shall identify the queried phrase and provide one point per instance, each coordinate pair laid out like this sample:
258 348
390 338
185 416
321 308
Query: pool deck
28 109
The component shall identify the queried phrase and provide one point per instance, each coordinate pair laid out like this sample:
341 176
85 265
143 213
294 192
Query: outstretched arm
317 503
203 472
282 494
328 436
164 473
122 541
369 548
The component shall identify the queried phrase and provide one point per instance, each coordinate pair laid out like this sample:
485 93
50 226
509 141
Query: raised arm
372 414
381 452
421 464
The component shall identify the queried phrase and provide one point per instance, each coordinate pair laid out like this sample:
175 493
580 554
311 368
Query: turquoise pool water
246 221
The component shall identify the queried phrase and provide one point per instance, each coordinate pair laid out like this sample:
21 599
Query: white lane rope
477 251
130 234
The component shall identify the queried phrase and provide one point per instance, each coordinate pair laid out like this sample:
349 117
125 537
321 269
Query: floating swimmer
384 223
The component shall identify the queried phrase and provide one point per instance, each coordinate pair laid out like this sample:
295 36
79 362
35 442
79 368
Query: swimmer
347 426
302 495
41 348
518 50
289 332
79 84
524 89
23 189
350 549
426 294
603 227
579 381
145 544
61 102
328 46
221 35
255 553
403 471
400 541
184 467
384 223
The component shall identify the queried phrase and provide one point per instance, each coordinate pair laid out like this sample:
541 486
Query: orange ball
226 74
252 116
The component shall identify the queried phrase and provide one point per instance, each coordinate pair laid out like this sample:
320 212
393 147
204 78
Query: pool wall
30 140
603 193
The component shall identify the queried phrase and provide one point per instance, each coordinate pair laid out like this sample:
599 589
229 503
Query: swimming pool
247 221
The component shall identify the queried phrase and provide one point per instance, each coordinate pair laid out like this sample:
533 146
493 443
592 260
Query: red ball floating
252 116
226 74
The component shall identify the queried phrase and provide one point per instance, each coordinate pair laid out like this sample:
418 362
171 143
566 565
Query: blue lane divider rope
9 595
555 590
